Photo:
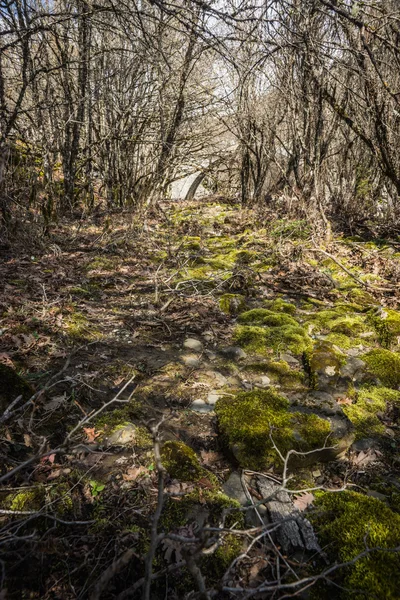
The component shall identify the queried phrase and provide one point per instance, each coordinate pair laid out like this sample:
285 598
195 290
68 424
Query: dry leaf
344 401
91 433
210 458
133 473
55 403
303 501
6 360
27 440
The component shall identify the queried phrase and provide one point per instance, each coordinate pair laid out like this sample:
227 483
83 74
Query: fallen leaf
55 403
91 433
6 360
133 473
303 501
206 483
344 401
210 458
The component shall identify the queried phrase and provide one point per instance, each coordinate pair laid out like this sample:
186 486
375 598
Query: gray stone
233 353
210 355
234 489
123 436
220 380
263 382
190 360
353 369
213 397
201 406
323 402
377 495
193 344
364 444
291 360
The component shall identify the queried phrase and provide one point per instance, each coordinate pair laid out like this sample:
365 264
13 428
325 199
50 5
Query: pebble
193 344
263 382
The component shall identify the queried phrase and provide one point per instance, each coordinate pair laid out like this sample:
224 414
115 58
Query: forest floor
249 336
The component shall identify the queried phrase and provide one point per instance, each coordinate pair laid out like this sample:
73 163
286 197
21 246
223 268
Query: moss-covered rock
263 330
384 365
387 325
249 419
181 463
280 373
363 412
12 385
323 363
232 304
279 305
345 523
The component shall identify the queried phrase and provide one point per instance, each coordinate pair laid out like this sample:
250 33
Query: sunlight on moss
369 402
345 523
247 421
384 365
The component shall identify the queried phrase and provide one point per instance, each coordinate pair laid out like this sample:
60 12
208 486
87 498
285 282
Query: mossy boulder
12 385
324 363
347 522
363 413
262 330
232 304
280 373
248 420
384 365
181 463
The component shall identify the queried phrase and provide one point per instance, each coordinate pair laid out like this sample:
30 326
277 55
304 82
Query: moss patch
263 329
369 402
247 420
384 365
182 463
345 521
387 327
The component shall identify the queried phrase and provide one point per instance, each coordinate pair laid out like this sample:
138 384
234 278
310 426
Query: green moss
384 365
299 230
232 304
247 420
119 416
78 326
182 463
101 263
387 327
346 342
345 523
191 243
178 512
280 305
369 402
323 359
54 499
263 316
265 329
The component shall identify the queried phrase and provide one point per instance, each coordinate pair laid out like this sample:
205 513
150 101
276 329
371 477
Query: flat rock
323 402
191 360
213 397
353 369
123 436
193 344
233 353
291 360
364 444
201 406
